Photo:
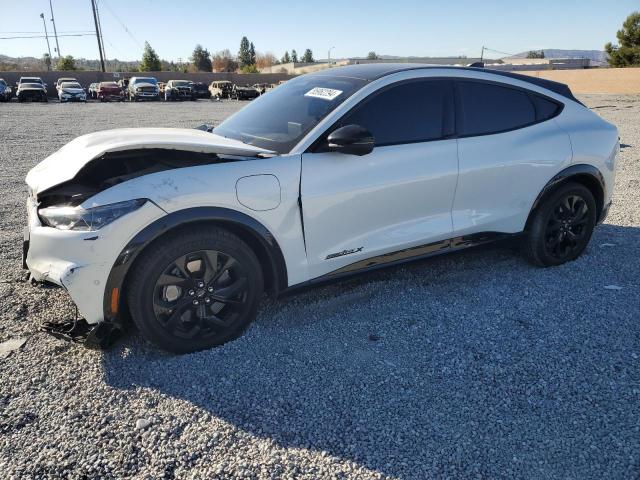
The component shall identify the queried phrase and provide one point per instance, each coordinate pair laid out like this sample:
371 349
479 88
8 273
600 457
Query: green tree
286 58
294 56
252 53
66 63
372 56
244 54
201 59
627 52
251 68
150 60
308 56
535 54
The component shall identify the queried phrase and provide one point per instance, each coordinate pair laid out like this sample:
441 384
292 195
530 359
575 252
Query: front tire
561 227
196 290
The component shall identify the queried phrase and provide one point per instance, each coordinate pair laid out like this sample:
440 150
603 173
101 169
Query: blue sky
400 27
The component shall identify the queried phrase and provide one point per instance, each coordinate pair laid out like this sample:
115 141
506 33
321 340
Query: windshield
181 83
30 85
279 119
70 85
109 84
30 80
3 83
145 80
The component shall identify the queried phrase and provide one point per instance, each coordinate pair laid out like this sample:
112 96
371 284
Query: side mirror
351 139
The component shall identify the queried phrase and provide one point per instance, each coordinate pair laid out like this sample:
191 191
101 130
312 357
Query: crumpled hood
64 164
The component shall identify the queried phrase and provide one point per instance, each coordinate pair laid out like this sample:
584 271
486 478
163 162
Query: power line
42 36
124 27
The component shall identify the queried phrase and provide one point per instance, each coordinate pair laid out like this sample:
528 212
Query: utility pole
46 35
482 54
329 56
104 52
95 21
55 32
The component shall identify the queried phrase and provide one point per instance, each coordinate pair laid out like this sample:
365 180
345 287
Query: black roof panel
373 71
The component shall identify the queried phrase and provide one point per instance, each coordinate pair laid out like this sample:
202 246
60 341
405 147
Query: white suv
331 173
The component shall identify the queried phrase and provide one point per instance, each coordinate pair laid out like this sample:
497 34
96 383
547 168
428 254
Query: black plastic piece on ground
98 337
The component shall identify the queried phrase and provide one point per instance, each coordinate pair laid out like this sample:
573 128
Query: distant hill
595 55
36 64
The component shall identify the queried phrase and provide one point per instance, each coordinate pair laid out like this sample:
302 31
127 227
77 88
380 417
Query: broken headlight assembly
90 219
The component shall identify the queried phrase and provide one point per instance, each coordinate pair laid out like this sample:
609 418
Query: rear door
363 210
509 147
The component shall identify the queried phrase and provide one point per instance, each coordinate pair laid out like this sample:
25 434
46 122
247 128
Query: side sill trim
404 256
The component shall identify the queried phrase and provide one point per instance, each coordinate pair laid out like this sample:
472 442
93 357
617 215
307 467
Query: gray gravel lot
473 365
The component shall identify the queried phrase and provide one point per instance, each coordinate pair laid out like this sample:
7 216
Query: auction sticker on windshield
324 93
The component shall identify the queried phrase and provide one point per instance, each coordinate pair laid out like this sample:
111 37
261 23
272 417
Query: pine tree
286 58
308 56
244 54
201 59
627 53
294 56
150 60
252 53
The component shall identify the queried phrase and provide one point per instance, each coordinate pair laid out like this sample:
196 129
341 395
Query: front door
361 210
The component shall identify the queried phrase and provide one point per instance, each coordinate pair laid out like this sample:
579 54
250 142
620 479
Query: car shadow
472 364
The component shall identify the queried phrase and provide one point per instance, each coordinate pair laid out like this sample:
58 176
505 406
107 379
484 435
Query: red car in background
110 91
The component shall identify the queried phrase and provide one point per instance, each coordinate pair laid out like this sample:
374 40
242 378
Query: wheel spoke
169 279
176 316
229 263
212 321
210 259
226 294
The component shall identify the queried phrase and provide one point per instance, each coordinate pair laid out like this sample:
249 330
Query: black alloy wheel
567 227
561 227
200 293
194 290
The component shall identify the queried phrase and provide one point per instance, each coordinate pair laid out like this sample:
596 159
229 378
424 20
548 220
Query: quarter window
488 108
408 112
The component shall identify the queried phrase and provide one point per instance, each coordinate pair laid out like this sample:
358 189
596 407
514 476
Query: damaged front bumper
80 261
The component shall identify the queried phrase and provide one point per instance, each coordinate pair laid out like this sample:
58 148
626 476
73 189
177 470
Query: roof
373 71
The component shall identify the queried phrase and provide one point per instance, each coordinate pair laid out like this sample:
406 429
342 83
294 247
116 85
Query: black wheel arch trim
232 219
574 171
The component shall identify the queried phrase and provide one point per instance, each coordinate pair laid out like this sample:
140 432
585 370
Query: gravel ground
472 365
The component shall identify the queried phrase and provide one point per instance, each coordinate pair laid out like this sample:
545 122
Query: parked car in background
71 92
161 87
200 90
143 88
263 87
62 80
31 92
178 90
108 91
332 174
221 89
244 93
5 91
93 90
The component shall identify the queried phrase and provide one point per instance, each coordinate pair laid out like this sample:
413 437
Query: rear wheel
561 227
195 290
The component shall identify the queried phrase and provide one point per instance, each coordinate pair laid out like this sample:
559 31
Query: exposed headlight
76 218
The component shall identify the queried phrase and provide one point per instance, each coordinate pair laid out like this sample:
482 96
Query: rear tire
196 290
561 227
